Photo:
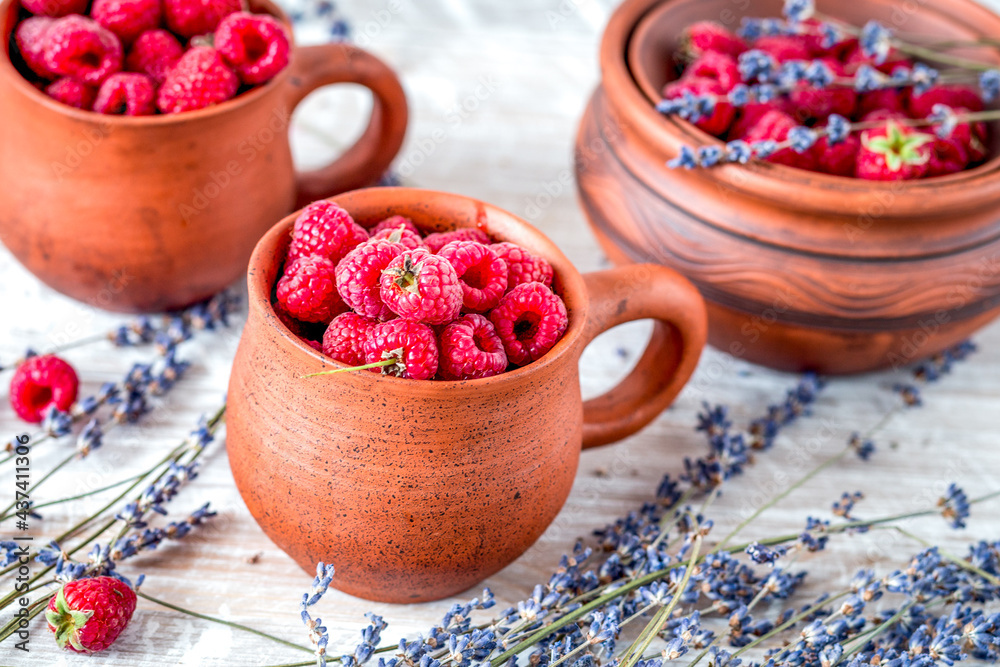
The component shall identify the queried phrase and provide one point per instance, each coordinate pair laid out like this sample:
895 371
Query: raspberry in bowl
800 269
358 468
134 212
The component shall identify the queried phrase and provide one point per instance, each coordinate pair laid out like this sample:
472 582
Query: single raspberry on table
153 53
715 123
530 320
423 287
40 383
72 92
712 37
127 18
954 96
718 67
197 80
308 291
394 222
893 153
189 18
256 46
470 349
55 8
402 236
482 275
126 94
411 345
345 338
88 615
522 266
30 40
438 240
79 47
324 228
775 126
359 277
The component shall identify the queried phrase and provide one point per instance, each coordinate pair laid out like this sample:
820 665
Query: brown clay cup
151 213
416 490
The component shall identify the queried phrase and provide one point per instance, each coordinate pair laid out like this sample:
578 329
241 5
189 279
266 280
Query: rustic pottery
152 213
416 490
800 270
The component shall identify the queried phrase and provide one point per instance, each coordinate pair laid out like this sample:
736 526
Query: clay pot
800 270
157 212
416 490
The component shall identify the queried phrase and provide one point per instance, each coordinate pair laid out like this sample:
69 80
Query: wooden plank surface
501 86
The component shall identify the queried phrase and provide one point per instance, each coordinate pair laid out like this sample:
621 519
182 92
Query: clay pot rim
763 180
8 70
573 291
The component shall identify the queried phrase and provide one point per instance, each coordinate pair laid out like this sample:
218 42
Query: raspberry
774 126
812 103
345 338
30 40
79 47
721 117
127 18
72 92
921 106
893 153
839 159
855 57
359 277
947 156
974 138
529 320
42 382
783 47
410 344
153 54
55 8
522 266
888 99
307 290
420 286
255 45
128 94
481 274
749 116
814 39
198 80
710 36
438 240
87 615
402 236
314 344
189 18
718 67
394 222
470 349
325 229
286 318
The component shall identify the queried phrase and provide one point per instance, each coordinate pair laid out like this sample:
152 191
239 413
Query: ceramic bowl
416 490
800 270
150 213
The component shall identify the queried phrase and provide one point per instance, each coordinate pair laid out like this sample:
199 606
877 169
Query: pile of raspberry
887 151
446 305
140 57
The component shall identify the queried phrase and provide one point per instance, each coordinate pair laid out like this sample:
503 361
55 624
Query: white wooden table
501 86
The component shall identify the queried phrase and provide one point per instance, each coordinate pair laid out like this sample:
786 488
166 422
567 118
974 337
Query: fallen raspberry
307 290
716 66
324 228
718 122
403 236
72 92
55 8
522 266
710 36
40 383
87 615
345 338
530 320
481 273
471 349
438 240
394 222
127 18
423 287
198 80
893 153
410 344
153 54
255 45
30 40
774 126
126 94
189 18
359 277
79 47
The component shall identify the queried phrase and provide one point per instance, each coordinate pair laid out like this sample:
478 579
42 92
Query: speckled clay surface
151 213
419 490
800 270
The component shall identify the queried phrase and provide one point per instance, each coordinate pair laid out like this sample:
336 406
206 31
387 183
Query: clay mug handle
637 292
364 162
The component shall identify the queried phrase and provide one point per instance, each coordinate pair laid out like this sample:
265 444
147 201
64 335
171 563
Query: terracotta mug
416 490
156 212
